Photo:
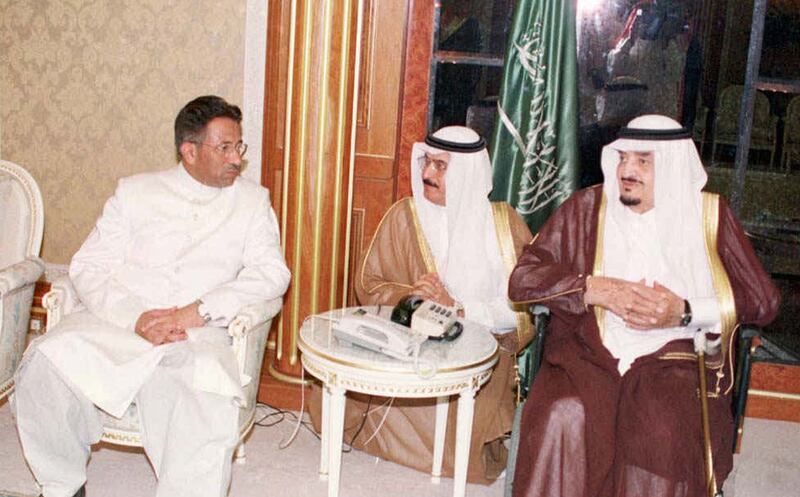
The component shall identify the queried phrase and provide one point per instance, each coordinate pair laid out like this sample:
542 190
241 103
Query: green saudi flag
535 145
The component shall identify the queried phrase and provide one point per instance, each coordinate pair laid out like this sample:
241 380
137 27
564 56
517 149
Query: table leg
326 433
442 406
336 426
466 405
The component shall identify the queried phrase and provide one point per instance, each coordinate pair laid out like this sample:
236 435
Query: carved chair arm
62 299
249 330
21 274
251 316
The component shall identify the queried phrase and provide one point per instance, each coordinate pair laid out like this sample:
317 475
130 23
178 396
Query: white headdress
678 206
461 234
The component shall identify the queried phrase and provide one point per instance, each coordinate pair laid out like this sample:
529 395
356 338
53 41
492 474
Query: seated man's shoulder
138 182
398 221
251 189
519 228
507 209
502 204
584 198
400 212
580 200
589 191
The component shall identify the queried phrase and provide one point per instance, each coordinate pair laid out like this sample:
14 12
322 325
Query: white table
463 366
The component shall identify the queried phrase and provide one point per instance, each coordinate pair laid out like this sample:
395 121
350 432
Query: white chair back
21 215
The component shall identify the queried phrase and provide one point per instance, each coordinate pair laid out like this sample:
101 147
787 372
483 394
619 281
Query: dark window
467 62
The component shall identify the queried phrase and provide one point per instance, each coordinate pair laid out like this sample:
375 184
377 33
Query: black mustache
630 178
428 182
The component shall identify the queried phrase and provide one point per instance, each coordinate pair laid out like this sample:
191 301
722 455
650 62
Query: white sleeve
93 267
705 312
496 314
264 274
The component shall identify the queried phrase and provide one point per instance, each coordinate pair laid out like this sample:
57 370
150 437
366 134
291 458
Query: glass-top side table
461 368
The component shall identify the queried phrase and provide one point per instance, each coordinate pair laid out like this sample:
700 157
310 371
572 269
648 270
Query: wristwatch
202 309
686 317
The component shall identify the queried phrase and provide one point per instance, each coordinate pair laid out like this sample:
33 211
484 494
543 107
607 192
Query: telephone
433 319
437 321
378 334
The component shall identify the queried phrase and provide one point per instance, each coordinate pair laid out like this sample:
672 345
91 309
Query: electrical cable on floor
282 413
347 447
286 443
360 426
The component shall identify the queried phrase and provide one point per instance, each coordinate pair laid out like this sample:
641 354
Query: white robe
165 240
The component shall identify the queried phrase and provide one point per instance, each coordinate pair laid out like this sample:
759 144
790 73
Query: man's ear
188 152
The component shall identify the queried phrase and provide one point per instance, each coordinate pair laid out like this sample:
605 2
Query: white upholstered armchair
21 224
248 332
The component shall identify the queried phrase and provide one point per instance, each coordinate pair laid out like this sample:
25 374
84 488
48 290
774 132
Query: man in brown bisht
631 271
449 244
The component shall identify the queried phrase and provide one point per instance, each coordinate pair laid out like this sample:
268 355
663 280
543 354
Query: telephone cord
383 419
419 363
286 443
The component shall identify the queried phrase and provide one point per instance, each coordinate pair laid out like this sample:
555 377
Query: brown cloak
397 256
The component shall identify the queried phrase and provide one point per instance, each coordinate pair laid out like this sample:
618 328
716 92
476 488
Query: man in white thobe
171 260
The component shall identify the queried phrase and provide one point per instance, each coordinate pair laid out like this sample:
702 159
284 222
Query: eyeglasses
438 164
227 148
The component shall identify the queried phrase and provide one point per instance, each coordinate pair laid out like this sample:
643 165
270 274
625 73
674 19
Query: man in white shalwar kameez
171 260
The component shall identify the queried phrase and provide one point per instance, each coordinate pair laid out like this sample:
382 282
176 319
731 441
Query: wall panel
89 92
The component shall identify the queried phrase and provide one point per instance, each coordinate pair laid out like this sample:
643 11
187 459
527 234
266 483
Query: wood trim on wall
367 65
774 392
390 115
415 87
275 96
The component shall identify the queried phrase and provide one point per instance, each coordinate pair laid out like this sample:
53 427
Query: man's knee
563 419
566 415
33 369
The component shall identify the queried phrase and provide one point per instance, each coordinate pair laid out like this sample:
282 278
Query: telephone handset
435 320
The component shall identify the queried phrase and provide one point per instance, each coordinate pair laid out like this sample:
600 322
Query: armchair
248 332
21 225
530 361
791 135
700 126
726 123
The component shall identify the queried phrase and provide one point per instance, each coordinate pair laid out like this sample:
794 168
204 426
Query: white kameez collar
192 189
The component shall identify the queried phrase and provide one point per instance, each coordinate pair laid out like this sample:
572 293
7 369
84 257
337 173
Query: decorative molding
286 378
374 168
356 249
367 67
361 383
321 75
774 395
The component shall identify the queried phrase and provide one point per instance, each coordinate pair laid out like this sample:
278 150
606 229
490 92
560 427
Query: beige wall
89 91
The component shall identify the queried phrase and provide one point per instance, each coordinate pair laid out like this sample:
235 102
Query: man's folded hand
159 326
641 306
